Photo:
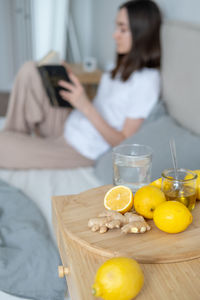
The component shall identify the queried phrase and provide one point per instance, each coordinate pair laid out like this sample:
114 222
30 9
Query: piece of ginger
136 227
129 222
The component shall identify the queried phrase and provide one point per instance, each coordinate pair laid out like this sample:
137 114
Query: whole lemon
157 183
172 217
198 183
119 278
146 199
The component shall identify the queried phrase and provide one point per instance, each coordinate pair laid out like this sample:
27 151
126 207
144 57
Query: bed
40 185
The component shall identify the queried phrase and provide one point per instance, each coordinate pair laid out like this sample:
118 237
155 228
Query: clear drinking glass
132 165
180 185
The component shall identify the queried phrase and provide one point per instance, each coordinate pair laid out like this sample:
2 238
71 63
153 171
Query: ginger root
129 222
136 227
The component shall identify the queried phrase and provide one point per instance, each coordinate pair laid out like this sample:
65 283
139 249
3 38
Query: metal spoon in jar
174 160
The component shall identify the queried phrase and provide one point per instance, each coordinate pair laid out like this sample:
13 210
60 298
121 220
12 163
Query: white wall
104 15
181 10
81 11
103 24
94 23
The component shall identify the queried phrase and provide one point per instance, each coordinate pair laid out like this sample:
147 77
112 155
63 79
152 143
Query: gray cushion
157 134
181 73
28 256
158 111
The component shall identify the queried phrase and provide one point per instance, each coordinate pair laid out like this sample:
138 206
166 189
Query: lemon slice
119 198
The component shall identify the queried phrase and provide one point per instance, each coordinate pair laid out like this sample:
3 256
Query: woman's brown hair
144 21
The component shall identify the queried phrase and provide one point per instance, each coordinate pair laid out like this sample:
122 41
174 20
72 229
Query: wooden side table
170 262
90 80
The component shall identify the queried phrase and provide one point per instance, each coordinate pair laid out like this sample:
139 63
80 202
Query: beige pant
29 111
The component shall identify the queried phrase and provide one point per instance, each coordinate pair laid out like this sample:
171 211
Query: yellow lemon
198 182
166 184
119 198
146 199
119 278
172 217
157 183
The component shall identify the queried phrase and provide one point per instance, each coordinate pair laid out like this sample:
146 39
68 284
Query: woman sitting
125 97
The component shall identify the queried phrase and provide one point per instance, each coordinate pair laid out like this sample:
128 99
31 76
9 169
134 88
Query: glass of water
132 165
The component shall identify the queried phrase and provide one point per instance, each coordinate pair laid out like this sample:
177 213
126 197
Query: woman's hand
76 94
77 97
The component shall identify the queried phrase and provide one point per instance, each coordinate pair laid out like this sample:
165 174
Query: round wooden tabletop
153 246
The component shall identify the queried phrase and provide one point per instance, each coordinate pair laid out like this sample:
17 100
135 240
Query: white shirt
116 100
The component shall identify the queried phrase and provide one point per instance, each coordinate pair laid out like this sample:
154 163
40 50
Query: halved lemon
119 198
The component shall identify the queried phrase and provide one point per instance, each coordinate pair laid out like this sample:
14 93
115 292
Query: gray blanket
28 257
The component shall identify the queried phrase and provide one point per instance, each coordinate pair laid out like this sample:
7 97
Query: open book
51 71
52 58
